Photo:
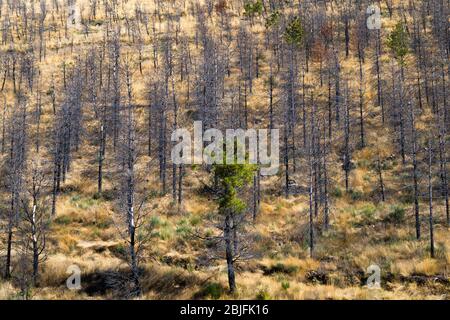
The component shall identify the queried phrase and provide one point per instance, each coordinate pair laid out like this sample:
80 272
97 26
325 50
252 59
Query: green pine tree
398 42
294 32
232 179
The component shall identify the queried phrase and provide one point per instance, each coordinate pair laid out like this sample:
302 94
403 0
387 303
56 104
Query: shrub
294 32
253 9
273 19
285 284
280 268
355 195
263 294
165 233
396 215
155 222
213 290
83 202
63 220
336 192
195 220
366 215
183 229
159 228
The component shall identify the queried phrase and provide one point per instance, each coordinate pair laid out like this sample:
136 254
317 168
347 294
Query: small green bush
285 284
253 9
272 19
63 220
183 228
281 268
83 202
355 195
119 250
195 220
396 215
263 295
336 192
213 290
165 233
366 215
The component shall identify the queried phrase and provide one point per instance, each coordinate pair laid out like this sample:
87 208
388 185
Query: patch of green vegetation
263 294
210 215
159 228
96 233
119 250
213 290
63 220
355 195
336 192
153 194
273 19
195 220
83 202
285 284
183 228
97 195
280 268
365 216
155 222
165 233
105 195
396 215
294 32
252 9
398 42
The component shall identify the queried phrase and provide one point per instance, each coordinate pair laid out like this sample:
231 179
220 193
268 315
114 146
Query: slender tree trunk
286 162
347 146
415 173
430 196
311 184
402 125
326 219
361 103
229 253
8 252
378 68
35 244
101 157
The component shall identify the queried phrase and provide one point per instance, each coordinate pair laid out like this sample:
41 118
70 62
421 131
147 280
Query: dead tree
430 196
15 173
415 169
131 196
34 215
